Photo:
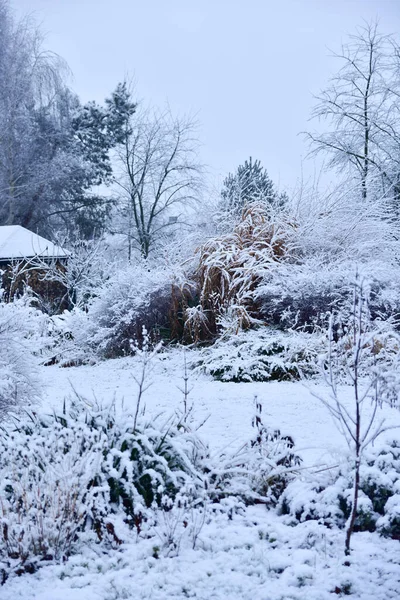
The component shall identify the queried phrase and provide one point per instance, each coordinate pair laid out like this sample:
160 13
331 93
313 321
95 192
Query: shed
27 258
18 243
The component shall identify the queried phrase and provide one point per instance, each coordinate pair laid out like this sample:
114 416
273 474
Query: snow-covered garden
229 521
199 388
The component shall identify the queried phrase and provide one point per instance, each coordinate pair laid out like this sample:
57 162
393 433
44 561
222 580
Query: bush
230 269
264 354
303 295
73 478
65 474
133 298
261 470
329 498
22 333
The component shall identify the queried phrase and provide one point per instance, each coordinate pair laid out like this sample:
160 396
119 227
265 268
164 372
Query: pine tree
250 184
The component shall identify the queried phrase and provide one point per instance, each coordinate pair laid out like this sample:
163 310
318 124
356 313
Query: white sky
246 68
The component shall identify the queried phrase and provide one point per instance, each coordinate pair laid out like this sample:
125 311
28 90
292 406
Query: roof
16 242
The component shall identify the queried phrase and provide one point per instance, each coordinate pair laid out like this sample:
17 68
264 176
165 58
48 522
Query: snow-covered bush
23 331
65 474
260 471
230 268
263 354
47 488
91 474
335 224
89 265
135 297
328 497
302 295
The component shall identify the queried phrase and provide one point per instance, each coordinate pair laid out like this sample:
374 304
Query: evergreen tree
95 131
98 129
249 184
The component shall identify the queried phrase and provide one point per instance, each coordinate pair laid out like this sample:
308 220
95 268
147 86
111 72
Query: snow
228 407
16 242
255 554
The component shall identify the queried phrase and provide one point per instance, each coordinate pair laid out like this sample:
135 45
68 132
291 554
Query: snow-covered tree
365 351
53 150
249 184
360 108
159 177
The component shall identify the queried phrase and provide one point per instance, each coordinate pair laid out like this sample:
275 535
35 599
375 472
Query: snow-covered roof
16 242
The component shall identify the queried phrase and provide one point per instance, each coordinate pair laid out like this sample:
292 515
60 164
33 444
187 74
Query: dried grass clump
230 268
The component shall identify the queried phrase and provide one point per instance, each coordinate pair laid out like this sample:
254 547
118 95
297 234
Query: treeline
75 170
54 150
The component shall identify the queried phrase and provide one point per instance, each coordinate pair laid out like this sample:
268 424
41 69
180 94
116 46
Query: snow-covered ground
255 555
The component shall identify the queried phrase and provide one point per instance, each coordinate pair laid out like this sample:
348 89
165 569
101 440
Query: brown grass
231 267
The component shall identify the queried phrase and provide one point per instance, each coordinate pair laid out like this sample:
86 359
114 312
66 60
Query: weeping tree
30 80
53 150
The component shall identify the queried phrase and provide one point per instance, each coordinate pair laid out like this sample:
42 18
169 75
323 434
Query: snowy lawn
228 407
254 554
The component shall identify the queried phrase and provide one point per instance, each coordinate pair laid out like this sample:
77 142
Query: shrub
329 498
72 478
63 474
133 298
22 333
231 267
265 354
261 470
303 295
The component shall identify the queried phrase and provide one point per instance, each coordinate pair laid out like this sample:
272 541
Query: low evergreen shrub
65 474
264 354
328 499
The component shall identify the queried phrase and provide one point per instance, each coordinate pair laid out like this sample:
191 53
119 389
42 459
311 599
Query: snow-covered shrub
260 471
230 268
64 474
135 297
181 522
302 295
335 224
47 488
388 524
88 267
263 354
298 295
360 345
328 497
23 331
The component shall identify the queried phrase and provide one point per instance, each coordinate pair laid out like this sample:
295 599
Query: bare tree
361 108
159 175
358 350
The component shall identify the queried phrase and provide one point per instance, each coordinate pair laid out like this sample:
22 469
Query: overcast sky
246 68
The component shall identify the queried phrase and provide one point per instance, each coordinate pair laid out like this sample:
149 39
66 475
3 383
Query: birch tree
361 109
